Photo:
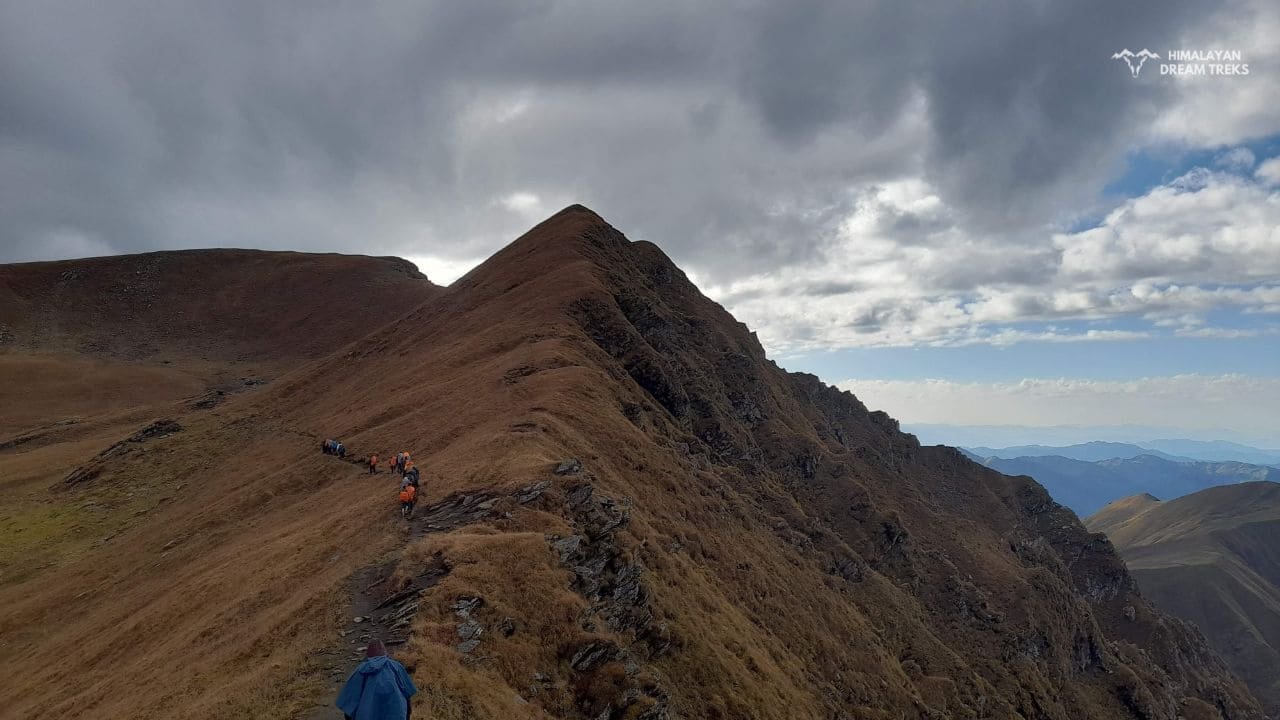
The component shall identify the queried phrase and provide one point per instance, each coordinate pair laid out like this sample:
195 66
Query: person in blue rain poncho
379 689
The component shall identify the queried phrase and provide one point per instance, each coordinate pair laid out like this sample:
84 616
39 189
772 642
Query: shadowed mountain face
1212 558
628 511
215 305
1087 486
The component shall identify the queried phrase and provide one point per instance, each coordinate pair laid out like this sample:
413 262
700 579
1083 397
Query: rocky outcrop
623 630
922 529
155 431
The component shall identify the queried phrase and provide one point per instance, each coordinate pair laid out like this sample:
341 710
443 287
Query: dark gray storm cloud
739 136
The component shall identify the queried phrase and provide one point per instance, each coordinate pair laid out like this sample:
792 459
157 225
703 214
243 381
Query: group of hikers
408 482
380 688
401 464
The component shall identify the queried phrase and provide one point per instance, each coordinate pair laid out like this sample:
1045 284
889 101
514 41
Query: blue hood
378 690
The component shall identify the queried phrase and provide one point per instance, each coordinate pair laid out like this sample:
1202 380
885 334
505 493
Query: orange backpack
408 494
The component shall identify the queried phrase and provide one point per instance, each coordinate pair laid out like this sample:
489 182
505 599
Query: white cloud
1203 227
1269 171
1238 159
524 203
443 271
1226 333
1211 111
903 271
1238 402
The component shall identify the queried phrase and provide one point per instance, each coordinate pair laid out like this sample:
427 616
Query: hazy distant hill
1090 451
1212 558
999 436
1215 451
1087 486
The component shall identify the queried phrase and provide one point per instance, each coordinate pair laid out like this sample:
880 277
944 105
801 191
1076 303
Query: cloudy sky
965 212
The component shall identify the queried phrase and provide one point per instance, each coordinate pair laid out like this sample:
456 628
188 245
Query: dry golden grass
802 557
1211 558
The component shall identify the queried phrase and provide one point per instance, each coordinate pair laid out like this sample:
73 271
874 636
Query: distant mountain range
1152 437
1215 451
1089 452
1212 558
1086 486
1176 450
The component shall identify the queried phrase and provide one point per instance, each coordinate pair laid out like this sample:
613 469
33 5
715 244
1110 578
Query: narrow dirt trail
379 609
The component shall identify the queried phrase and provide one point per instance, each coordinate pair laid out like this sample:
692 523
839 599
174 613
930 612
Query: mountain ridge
1210 558
1217 451
220 304
1090 452
1063 435
706 535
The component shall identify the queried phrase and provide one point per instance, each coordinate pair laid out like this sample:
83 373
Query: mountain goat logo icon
1134 59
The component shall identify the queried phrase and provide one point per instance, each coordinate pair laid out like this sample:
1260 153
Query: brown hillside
1213 558
91 350
1116 513
208 304
630 513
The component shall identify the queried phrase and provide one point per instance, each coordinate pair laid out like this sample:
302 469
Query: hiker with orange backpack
408 496
373 463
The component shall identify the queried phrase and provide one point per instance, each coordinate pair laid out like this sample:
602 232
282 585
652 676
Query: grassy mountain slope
214 305
629 512
1212 558
1117 512
93 350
